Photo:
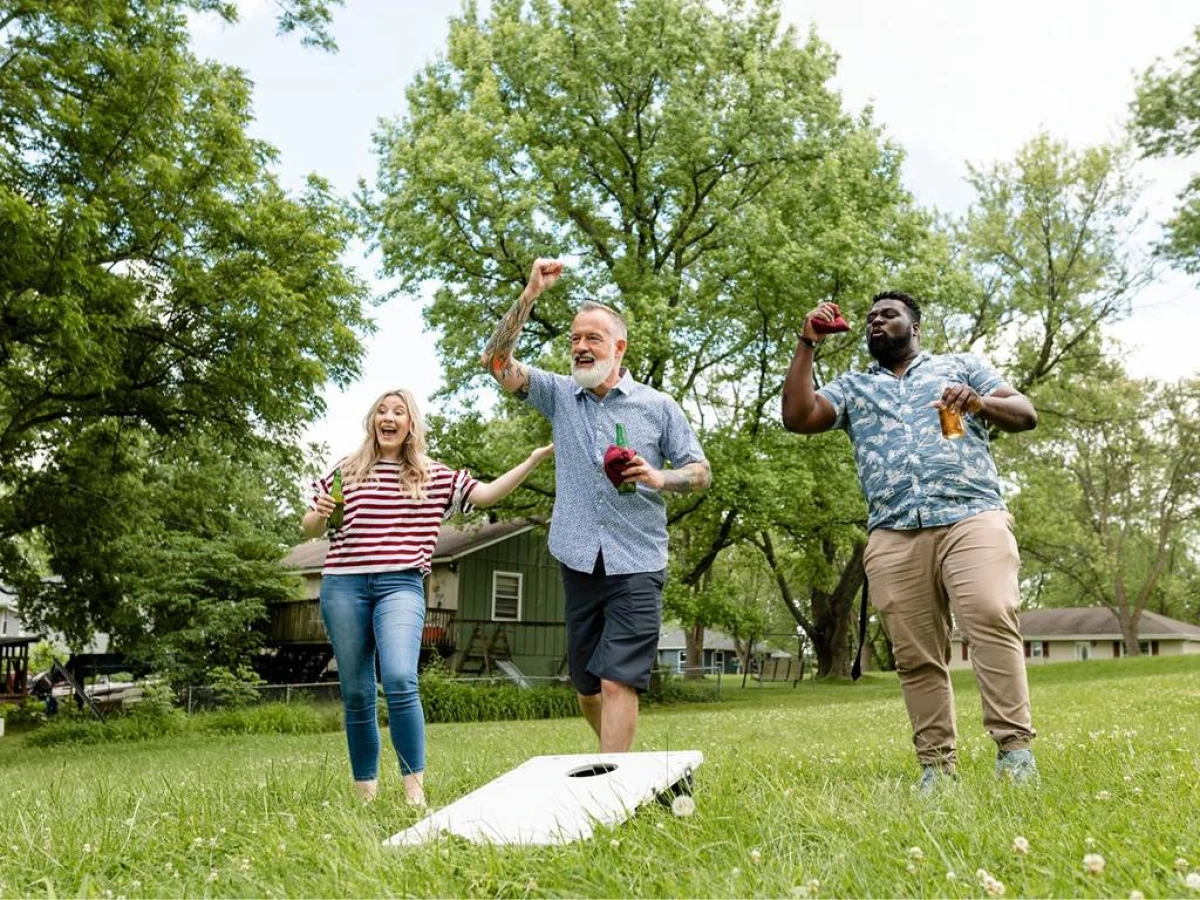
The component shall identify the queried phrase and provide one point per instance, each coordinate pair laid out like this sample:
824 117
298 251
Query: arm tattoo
688 479
500 346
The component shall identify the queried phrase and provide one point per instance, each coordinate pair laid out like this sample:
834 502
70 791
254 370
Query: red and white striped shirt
384 529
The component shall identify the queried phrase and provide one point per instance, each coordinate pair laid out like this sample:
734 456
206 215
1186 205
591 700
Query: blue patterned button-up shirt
913 477
589 513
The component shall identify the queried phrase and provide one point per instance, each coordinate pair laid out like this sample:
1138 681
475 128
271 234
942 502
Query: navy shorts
612 626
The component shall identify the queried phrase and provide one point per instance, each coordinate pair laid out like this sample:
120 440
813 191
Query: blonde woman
372 585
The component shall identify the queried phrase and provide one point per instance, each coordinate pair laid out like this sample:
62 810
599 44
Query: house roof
1100 622
453 543
671 638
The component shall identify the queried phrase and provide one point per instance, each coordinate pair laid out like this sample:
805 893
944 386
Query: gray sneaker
934 778
1017 766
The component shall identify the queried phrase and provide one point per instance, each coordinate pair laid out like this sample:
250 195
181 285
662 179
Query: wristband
808 342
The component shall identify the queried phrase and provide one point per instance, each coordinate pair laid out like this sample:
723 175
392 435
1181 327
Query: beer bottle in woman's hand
339 509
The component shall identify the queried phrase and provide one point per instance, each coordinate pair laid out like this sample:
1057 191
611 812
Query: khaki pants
917 578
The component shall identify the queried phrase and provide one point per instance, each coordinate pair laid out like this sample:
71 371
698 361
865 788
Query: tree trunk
1130 619
694 637
831 615
829 626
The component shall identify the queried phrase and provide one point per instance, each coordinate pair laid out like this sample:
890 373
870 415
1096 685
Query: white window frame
1083 650
718 660
496 576
1035 650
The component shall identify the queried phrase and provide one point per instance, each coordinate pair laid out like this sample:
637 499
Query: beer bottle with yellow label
339 500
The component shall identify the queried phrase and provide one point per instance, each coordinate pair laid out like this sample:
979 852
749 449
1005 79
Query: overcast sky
953 82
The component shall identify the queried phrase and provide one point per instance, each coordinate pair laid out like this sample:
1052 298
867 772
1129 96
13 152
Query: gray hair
620 328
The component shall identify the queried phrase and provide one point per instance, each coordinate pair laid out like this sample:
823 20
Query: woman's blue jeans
382 614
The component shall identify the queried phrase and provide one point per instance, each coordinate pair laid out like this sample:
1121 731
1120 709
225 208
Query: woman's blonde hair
414 463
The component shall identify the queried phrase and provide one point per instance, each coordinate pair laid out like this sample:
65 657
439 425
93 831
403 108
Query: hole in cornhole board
592 770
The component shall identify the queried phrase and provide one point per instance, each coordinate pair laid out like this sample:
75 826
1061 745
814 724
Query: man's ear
621 345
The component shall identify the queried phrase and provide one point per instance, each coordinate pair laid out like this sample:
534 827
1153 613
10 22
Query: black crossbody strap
856 669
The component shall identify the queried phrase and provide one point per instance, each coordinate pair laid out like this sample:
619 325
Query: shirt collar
875 368
626 385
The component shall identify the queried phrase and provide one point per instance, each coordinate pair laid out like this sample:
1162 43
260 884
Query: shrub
668 688
233 690
29 711
135 726
145 723
447 700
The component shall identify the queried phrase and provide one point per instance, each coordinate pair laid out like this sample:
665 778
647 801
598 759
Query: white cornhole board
555 799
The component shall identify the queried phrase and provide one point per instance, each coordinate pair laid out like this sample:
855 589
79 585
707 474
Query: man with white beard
612 544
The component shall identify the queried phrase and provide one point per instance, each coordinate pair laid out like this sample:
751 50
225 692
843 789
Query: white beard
593 377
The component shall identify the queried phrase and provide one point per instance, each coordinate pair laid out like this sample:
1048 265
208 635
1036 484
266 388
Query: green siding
537 643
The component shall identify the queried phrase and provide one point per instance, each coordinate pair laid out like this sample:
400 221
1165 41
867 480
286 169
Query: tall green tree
157 284
1110 493
1050 242
695 168
1166 122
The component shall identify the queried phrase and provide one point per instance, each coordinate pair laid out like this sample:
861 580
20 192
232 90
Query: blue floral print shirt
912 476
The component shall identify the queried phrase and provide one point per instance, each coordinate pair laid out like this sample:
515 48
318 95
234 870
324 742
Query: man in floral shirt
941 539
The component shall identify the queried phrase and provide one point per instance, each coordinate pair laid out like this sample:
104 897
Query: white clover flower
1181 864
735 872
1103 795
213 875
327 837
683 806
981 875
755 855
1137 792
87 848
994 888
916 853
1136 895
950 876
615 843
196 842
1093 863
814 887
1020 845
910 868
244 865
1193 881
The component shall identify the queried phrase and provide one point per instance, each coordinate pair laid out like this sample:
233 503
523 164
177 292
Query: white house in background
11 625
10 619
1089 632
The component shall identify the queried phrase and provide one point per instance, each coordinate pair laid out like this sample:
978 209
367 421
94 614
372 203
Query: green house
494 600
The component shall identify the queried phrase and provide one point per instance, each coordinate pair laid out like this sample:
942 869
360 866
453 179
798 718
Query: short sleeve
680 444
835 393
981 375
542 392
459 502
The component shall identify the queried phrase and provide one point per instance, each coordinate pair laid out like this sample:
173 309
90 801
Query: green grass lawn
804 792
